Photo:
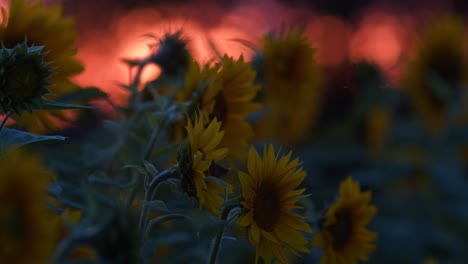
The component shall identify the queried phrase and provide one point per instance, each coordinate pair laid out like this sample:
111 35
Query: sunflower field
327 141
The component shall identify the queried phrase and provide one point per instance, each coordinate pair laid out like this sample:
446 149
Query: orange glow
101 51
379 39
330 35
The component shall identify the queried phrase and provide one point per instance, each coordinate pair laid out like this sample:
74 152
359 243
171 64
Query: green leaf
233 201
96 179
150 168
12 138
55 105
83 95
157 206
168 217
220 182
138 168
54 190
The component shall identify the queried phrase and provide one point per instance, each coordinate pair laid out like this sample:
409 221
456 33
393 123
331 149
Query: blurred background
366 127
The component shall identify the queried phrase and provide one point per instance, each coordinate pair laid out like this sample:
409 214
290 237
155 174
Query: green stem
150 191
219 237
5 118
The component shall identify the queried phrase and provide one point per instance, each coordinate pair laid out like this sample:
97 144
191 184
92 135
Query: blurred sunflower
291 80
28 231
203 154
438 70
269 193
45 27
229 98
195 83
344 236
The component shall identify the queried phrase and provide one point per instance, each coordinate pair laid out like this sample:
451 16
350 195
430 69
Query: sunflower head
23 77
28 230
44 26
438 70
344 236
270 196
172 55
291 82
229 99
198 159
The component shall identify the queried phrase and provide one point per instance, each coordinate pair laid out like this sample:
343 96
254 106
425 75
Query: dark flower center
285 66
22 80
220 109
342 230
267 207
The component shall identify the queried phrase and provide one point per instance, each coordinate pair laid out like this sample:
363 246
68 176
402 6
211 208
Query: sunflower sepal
24 75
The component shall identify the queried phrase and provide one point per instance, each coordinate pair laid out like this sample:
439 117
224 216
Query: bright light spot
379 39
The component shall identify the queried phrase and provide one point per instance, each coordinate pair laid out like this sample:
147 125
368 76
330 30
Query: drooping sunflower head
172 55
229 99
44 27
198 160
291 83
438 70
269 189
344 235
23 77
28 230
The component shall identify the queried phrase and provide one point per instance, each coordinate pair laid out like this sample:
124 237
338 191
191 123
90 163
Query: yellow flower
270 195
292 87
195 81
28 231
229 98
440 54
344 236
45 27
204 154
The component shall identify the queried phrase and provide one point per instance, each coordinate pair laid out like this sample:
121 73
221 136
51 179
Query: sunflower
28 231
229 98
291 83
196 81
44 27
440 58
203 154
344 236
24 78
269 193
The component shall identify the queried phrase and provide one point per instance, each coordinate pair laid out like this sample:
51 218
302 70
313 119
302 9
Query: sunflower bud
23 77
